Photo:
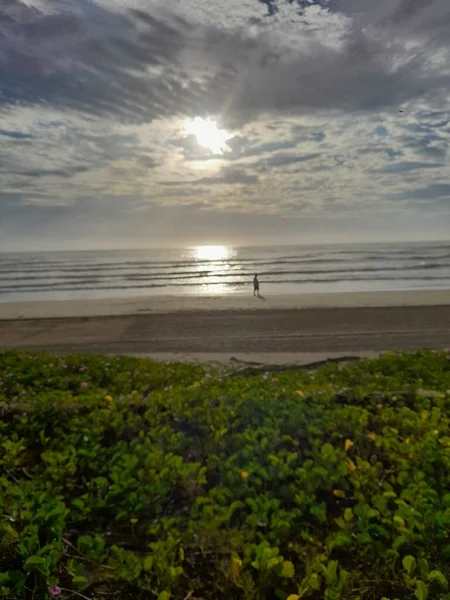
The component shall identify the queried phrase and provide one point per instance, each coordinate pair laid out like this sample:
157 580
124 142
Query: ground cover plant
124 478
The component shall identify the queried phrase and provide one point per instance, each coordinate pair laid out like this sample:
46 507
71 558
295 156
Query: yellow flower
293 597
339 493
348 444
108 398
244 474
407 441
351 466
300 393
236 564
372 436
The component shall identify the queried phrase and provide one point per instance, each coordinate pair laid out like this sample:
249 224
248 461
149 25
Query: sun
208 134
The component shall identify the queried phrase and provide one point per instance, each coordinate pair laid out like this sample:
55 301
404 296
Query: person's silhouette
255 285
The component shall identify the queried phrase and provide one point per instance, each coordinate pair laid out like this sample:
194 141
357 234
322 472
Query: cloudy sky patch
336 116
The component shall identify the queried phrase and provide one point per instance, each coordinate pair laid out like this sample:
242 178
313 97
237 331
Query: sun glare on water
208 134
211 252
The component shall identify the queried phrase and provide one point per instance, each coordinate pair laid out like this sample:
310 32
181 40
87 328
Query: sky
151 123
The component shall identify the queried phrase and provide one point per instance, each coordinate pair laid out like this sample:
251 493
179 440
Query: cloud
15 135
283 159
93 96
434 191
139 65
402 167
229 176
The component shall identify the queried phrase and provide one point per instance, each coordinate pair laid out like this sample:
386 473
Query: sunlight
207 134
211 252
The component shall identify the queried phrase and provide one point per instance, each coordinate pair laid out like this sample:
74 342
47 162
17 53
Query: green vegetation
128 479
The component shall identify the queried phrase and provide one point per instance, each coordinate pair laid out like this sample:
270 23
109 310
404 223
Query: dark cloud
230 176
139 66
404 166
283 160
88 59
434 191
227 176
244 148
15 135
53 173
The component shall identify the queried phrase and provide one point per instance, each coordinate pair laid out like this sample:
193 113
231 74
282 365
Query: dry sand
278 330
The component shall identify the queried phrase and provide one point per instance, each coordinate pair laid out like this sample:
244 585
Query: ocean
214 270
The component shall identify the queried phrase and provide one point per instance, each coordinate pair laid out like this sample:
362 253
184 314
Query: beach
281 329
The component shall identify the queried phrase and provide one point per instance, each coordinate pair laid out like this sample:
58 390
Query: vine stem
73 592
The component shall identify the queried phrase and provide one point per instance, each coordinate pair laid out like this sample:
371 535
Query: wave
68 288
174 268
138 276
50 274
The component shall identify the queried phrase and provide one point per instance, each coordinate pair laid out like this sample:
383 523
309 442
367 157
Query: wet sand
237 302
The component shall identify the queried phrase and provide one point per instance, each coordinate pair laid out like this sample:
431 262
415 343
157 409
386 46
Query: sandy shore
170 304
306 335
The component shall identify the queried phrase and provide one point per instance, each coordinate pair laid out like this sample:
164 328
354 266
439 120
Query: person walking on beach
255 286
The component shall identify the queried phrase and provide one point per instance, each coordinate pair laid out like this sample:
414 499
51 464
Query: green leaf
319 511
402 539
80 581
315 581
164 596
440 578
348 514
421 592
287 569
273 562
328 453
85 542
409 564
4 578
33 563
332 572
148 563
423 566
340 540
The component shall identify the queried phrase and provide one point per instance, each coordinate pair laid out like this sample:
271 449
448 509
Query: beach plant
126 478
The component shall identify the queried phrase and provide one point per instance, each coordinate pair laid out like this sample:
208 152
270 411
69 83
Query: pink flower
84 384
191 454
54 590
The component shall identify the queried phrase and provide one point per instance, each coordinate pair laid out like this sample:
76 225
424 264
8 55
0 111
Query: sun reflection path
212 252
